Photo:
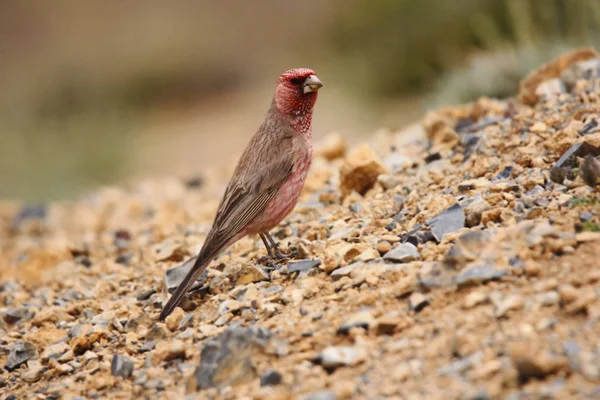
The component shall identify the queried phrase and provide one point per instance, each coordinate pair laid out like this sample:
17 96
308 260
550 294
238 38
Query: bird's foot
277 256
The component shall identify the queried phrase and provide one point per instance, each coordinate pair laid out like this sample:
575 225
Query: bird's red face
296 91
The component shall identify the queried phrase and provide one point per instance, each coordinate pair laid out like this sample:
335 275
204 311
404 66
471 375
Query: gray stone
586 216
34 371
403 253
19 353
322 395
157 332
418 301
388 181
448 221
362 319
55 351
121 366
474 210
396 161
301 266
174 276
479 273
580 149
345 271
270 378
461 365
338 356
582 70
227 359
551 88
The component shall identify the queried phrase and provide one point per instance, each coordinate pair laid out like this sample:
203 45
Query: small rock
252 274
185 321
388 181
362 319
360 171
225 318
194 182
418 301
339 356
167 351
473 299
33 372
581 70
147 346
504 305
448 221
227 359
270 378
157 332
473 184
589 127
405 252
391 323
170 250
462 365
548 298
551 88
586 216
418 236
19 353
228 306
383 247
557 175
54 351
174 276
479 273
173 320
580 149
474 211
504 174
396 161
534 364
301 266
589 170
121 366
345 271
331 147
538 127
12 316
322 395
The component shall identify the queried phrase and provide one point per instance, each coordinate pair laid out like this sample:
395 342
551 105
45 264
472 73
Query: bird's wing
245 199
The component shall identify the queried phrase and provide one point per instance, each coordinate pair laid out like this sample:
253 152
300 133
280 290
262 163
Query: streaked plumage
269 176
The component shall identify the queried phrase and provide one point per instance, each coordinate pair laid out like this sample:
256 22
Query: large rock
19 353
360 171
227 359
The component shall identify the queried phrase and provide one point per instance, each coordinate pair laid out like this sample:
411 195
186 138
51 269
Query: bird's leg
267 245
271 255
275 248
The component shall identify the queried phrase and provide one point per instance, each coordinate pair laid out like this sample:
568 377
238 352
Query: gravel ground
455 259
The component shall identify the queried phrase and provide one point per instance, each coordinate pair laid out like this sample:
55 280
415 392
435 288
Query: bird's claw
277 257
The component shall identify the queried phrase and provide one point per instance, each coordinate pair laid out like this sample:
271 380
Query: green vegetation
590 226
54 159
477 47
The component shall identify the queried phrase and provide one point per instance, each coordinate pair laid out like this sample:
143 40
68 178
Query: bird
268 178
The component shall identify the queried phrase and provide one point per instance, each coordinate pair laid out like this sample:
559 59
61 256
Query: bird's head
296 91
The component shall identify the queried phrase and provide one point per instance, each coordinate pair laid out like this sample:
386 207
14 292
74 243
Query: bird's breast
286 197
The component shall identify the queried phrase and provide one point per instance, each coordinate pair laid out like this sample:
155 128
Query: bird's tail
204 258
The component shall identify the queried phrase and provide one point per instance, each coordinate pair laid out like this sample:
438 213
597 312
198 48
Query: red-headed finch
268 178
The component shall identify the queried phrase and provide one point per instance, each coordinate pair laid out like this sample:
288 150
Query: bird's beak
312 84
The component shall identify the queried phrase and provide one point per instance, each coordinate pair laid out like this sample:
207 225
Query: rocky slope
462 263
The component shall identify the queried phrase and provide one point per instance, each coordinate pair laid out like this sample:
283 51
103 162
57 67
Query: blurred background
102 92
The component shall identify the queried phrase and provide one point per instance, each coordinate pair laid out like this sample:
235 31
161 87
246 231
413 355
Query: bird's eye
296 81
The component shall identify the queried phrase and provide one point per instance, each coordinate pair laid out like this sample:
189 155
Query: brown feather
267 162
